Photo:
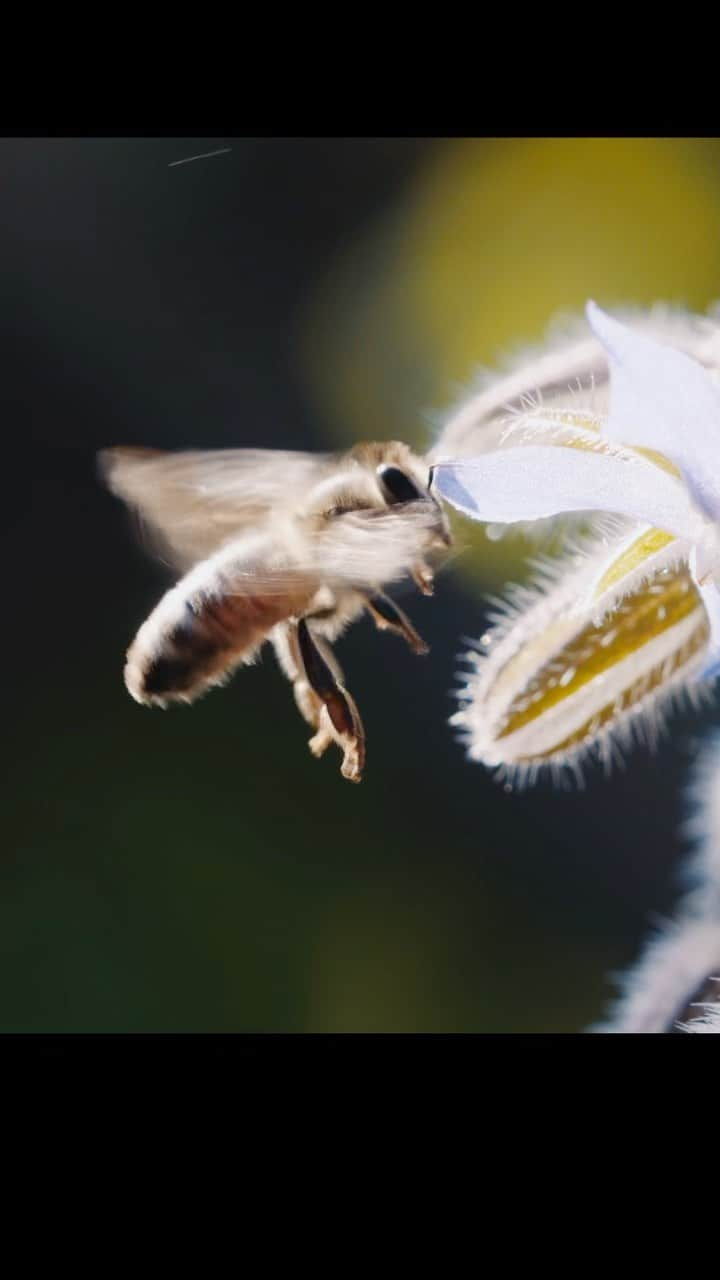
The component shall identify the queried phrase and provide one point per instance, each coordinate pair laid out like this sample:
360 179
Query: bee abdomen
189 652
189 645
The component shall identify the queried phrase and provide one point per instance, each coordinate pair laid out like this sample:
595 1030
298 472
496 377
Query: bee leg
423 577
287 651
324 737
387 616
311 704
339 719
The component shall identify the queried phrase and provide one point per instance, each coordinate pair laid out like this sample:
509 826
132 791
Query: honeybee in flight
279 546
291 547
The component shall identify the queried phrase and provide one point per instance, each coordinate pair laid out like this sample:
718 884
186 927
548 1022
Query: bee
291 548
285 547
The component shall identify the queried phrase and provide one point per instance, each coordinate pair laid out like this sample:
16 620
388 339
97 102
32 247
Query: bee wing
570 371
189 504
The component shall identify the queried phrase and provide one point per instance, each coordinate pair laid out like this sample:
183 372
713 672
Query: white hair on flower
569 369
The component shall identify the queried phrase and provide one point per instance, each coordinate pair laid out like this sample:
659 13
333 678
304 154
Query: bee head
398 487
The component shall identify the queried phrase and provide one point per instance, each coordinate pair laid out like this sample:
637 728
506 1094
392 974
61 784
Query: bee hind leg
388 616
339 719
318 684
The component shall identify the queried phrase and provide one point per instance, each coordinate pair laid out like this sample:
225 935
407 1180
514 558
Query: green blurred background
197 870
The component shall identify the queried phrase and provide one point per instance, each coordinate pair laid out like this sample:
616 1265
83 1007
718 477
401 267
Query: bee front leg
339 719
423 577
421 572
387 616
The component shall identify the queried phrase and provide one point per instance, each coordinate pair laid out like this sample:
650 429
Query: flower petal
662 399
513 485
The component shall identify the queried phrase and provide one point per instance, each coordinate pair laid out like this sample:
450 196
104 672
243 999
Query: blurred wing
569 372
190 504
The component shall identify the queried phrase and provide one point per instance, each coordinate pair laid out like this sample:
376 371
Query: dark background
196 870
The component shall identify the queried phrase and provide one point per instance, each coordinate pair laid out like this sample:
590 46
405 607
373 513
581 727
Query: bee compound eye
398 485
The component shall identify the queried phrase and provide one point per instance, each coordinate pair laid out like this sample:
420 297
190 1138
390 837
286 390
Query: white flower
625 622
655 459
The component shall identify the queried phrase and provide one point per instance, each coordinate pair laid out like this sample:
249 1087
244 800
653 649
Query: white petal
512 485
662 399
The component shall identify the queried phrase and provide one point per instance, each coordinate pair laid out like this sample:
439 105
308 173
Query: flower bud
587 658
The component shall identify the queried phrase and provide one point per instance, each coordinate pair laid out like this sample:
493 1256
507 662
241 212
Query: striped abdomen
214 620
